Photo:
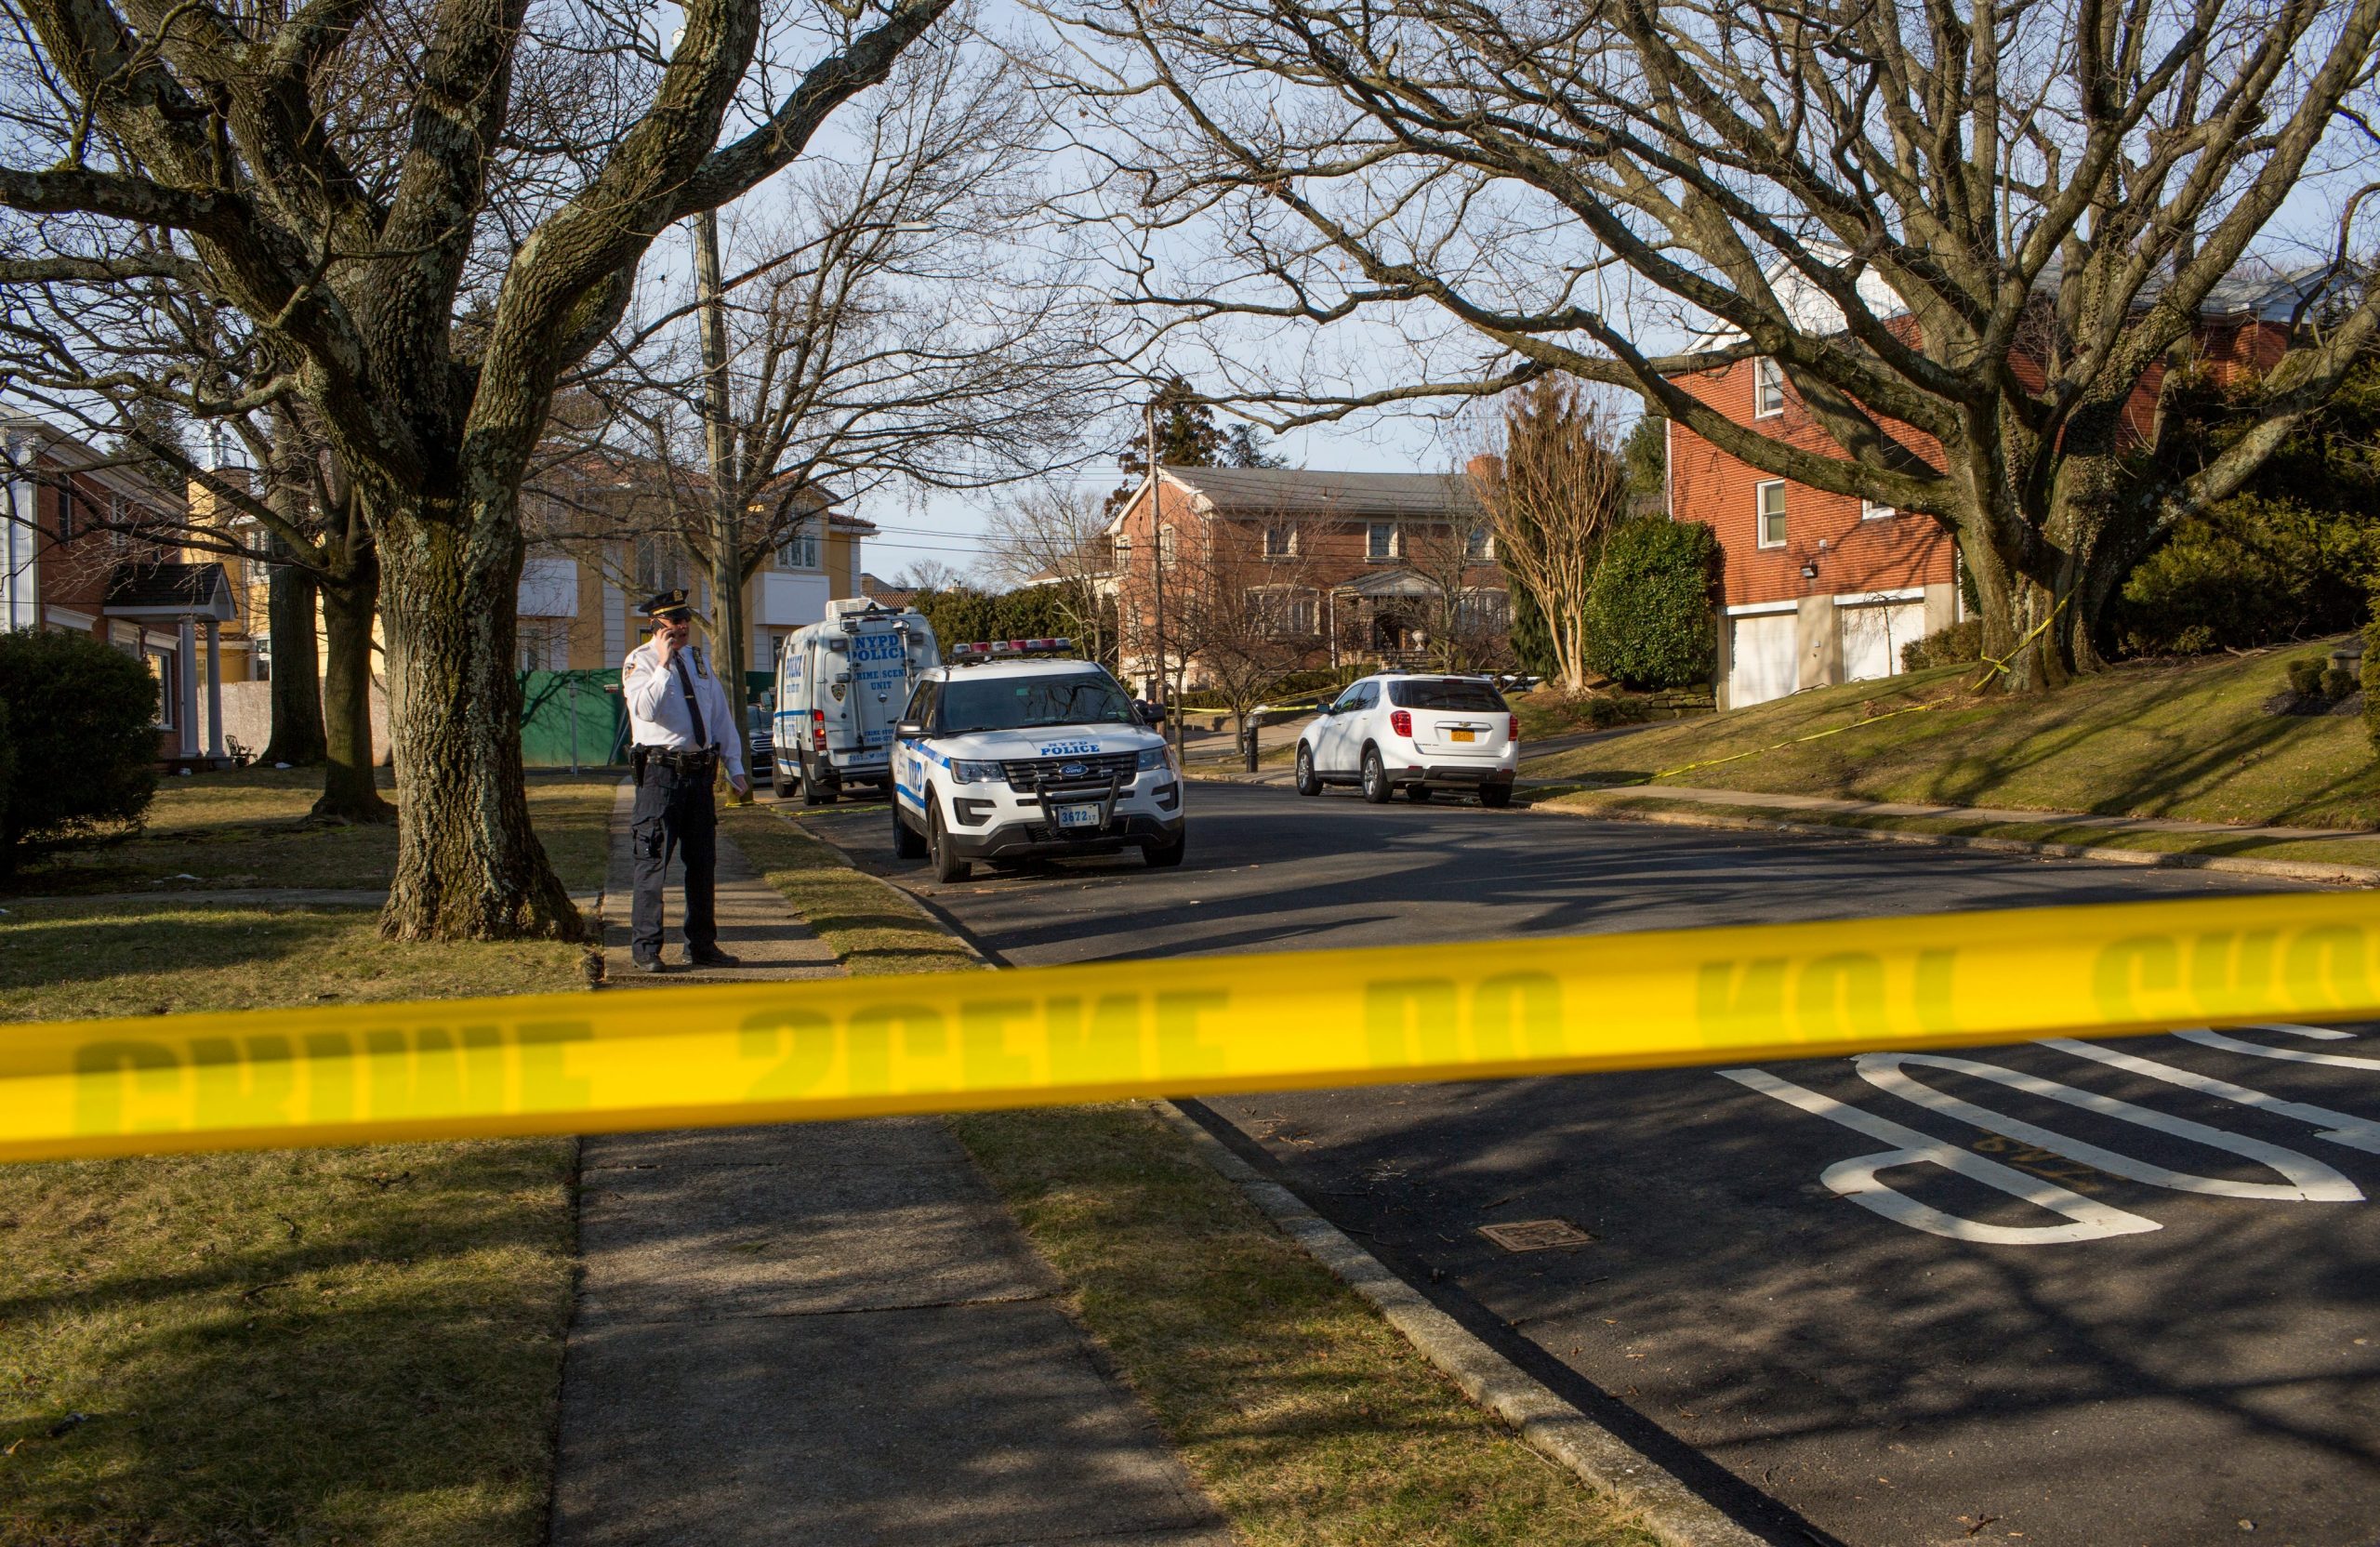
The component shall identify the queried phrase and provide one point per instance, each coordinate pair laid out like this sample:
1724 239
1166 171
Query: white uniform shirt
656 702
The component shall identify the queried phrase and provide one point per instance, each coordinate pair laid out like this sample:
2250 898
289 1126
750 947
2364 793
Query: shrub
2251 572
8 771
2305 677
1603 713
2338 682
84 737
2372 681
1955 645
1650 622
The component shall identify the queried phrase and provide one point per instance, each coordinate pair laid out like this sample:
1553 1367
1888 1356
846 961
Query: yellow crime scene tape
856 1047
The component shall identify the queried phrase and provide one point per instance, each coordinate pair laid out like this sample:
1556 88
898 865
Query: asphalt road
2207 1369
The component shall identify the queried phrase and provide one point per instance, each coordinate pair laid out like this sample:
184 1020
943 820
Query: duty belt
684 760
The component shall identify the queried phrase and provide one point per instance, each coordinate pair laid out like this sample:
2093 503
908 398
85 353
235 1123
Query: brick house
78 554
1356 567
1821 587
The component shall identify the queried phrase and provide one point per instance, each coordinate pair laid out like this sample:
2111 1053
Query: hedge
1650 618
83 735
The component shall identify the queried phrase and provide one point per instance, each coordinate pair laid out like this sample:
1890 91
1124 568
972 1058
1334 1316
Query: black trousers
673 815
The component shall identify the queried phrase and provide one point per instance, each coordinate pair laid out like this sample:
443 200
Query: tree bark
296 670
469 864
350 789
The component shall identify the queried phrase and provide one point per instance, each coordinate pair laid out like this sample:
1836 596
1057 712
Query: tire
947 866
1376 789
1495 797
1309 782
1418 794
1165 856
816 791
906 844
779 786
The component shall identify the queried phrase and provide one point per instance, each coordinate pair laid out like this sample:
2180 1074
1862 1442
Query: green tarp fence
554 705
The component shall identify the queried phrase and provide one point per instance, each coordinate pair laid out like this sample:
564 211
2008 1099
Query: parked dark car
760 746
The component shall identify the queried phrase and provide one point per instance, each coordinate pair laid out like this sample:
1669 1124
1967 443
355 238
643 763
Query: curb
1676 1514
2289 869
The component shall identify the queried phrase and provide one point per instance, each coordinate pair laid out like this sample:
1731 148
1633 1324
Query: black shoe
647 964
709 956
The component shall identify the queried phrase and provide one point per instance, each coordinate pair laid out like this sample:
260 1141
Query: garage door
1762 662
1873 634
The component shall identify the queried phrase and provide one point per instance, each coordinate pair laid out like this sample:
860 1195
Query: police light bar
984 649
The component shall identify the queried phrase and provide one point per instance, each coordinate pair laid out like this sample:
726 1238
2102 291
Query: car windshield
756 719
1446 693
1022 703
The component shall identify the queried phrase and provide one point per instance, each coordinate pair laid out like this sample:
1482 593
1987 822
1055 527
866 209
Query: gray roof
1297 491
169 589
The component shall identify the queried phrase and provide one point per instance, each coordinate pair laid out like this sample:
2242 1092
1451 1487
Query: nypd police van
1014 749
840 686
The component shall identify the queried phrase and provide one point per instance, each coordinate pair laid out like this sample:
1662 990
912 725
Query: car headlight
965 772
1154 757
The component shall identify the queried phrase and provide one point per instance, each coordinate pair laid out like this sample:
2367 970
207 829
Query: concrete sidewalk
832 1333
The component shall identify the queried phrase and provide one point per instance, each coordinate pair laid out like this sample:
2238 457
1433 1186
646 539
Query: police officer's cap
666 607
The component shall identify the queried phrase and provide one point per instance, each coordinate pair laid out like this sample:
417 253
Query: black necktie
694 706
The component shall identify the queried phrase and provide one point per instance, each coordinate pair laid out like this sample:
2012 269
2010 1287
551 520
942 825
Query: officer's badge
702 668
837 689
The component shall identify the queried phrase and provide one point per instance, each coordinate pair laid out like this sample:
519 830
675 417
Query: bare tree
1968 236
888 319
1056 535
1242 620
1551 488
328 173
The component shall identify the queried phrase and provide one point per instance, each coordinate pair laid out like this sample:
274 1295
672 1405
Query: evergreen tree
1187 437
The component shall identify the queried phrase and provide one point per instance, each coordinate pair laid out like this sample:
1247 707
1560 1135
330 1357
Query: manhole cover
1536 1235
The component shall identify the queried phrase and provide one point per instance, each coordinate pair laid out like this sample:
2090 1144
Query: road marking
1857 1177
2308 1179
2339 1127
2287 1056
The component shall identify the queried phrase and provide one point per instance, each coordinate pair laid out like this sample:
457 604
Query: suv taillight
818 729
1514 731
1401 722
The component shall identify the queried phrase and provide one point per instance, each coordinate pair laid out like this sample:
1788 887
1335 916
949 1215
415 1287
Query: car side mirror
1153 713
909 730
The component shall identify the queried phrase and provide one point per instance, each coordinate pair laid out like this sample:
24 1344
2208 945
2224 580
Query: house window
1870 511
800 550
1284 611
660 563
66 515
1482 611
1280 541
167 670
1379 540
1165 544
1767 388
1123 554
544 644
1771 500
1479 546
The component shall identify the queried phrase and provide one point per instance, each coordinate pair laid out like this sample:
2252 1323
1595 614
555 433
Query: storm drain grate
1536 1235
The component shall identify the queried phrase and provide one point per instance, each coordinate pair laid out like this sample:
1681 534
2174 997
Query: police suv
1012 748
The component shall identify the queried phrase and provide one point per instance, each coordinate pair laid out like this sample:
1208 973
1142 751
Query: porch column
188 658
213 689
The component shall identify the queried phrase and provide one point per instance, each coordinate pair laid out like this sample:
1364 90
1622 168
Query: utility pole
728 630
1157 562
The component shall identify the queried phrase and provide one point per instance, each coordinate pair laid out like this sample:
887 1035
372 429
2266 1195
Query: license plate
1078 817
1462 735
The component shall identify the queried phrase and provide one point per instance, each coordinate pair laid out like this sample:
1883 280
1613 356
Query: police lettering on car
1013 750
682 730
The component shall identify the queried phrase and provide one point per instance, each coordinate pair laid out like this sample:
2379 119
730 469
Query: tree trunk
350 790
727 633
468 865
296 670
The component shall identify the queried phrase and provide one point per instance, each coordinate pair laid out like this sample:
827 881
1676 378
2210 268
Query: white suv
1420 734
1006 751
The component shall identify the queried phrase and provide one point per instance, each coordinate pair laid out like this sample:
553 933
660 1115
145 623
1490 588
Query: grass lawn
249 827
357 1345
1305 1417
2162 738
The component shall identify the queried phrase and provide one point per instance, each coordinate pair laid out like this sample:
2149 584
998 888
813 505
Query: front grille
1036 775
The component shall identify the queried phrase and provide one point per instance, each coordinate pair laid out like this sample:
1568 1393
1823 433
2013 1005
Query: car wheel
1376 789
947 866
816 791
1418 794
1495 797
1164 857
779 786
906 844
1309 782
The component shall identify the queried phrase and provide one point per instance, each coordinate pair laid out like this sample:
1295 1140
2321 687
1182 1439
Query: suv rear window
1445 692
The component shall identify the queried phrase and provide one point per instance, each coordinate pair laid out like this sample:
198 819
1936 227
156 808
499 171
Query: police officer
682 729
